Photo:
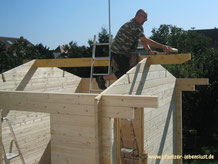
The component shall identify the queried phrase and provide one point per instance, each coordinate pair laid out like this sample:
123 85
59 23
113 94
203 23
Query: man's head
141 16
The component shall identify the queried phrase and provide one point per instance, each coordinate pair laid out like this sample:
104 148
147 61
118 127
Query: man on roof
125 45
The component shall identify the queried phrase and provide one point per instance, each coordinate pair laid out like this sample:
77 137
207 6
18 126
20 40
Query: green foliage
203 58
211 153
75 51
44 52
8 61
103 37
21 50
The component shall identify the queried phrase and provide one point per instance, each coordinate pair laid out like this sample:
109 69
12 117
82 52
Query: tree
44 52
75 51
7 61
103 37
20 51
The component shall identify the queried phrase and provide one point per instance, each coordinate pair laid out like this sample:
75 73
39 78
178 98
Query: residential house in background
8 41
211 33
58 51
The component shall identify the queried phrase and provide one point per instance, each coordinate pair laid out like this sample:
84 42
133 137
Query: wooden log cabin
56 120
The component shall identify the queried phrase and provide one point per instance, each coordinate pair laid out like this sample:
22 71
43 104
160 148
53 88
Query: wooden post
1 161
179 125
141 135
3 78
185 84
117 123
98 131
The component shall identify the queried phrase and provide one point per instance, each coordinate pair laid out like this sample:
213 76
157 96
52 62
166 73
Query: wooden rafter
71 62
86 62
169 59
188 84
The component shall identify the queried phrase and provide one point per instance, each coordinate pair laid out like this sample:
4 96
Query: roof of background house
10 41
60 49
212 33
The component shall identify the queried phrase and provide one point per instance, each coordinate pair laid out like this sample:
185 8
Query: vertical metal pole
92 65
109 11
110 39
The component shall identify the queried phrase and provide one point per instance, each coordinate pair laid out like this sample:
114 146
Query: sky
58 22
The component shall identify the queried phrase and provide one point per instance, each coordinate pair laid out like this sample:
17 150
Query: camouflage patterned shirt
126 40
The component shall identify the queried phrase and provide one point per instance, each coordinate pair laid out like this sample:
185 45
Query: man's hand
153 52
168 49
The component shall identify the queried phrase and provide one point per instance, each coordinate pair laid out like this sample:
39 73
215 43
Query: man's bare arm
148 42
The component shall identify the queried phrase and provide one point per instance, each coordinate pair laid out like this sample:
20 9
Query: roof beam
188 84
70 62
86 62
168 59
193 81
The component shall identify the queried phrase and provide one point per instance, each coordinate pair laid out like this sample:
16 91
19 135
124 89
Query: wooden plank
28 139
186 87
42 79
141 134
37 157
192 81
79 156
145 76
74 133
86 62
41 102
188 84
79 142
178 125
144 66
26 78
25 130
118 148
64 103
73 120
125 88
118 112
168 59
70 62
68 136
130 101
98 131
139 77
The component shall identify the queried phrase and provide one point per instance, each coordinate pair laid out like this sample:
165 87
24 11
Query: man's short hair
141 11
